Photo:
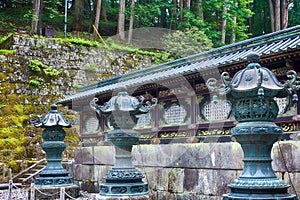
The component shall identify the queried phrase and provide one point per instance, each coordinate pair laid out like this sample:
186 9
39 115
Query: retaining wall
185 171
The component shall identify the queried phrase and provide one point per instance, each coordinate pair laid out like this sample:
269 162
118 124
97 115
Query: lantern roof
52 119
255 77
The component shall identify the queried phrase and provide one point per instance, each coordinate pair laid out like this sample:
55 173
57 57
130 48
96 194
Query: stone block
84 155
99 172
285 155
175 180
200 155
104 155
83 172
293 179
157 178
214 182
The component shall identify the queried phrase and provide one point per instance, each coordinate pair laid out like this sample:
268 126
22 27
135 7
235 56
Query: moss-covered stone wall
36 73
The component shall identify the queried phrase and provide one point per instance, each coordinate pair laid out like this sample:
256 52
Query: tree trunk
223 24
181 3
121 20
277 15
97 18
104 12
233 34
173 16
131 21
78 13
188 4
199 9
272 17
285 13
35 17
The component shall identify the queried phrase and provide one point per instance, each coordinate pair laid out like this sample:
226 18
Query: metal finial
54 107
253 57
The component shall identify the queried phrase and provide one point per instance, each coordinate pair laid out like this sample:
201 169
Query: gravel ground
22 194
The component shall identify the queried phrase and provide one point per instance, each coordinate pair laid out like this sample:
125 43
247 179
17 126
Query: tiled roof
276 42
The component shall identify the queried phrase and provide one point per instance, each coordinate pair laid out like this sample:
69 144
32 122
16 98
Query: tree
78 15
121 20
198 9
187 42
35 17
97 18
131 21
279 14
223 22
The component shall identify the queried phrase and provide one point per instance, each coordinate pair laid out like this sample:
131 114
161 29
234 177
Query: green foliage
5 51
92 67
186 43
37 82
5 38
51 71
35 65
294 13
80 41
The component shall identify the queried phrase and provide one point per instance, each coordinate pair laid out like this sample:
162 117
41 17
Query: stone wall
185 171
26 90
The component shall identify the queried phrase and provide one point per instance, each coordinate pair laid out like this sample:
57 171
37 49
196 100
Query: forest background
222 21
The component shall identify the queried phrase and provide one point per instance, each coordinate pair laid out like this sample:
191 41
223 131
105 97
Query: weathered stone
104 155
285 155
84 172
175 180
195 171
200 155
99 172
84 155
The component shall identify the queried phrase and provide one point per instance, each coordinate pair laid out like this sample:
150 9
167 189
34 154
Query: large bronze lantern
252 92
121 112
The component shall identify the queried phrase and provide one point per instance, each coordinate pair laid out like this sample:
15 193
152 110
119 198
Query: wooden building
185 112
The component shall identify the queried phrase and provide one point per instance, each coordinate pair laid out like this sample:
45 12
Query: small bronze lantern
121 113
252 91
53 135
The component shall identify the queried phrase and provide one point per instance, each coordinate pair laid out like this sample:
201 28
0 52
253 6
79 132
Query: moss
14 165
5 51
2 76
19 109
19 153
12 97
4 133
35 65
38 82
7 110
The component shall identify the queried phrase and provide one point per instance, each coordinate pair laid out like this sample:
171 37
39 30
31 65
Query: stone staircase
28 175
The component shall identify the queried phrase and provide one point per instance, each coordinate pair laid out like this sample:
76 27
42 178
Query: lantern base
124 189
54 181
253 196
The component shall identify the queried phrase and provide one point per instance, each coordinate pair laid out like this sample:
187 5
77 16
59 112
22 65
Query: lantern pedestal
123 179
252 92
54 176
258 180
